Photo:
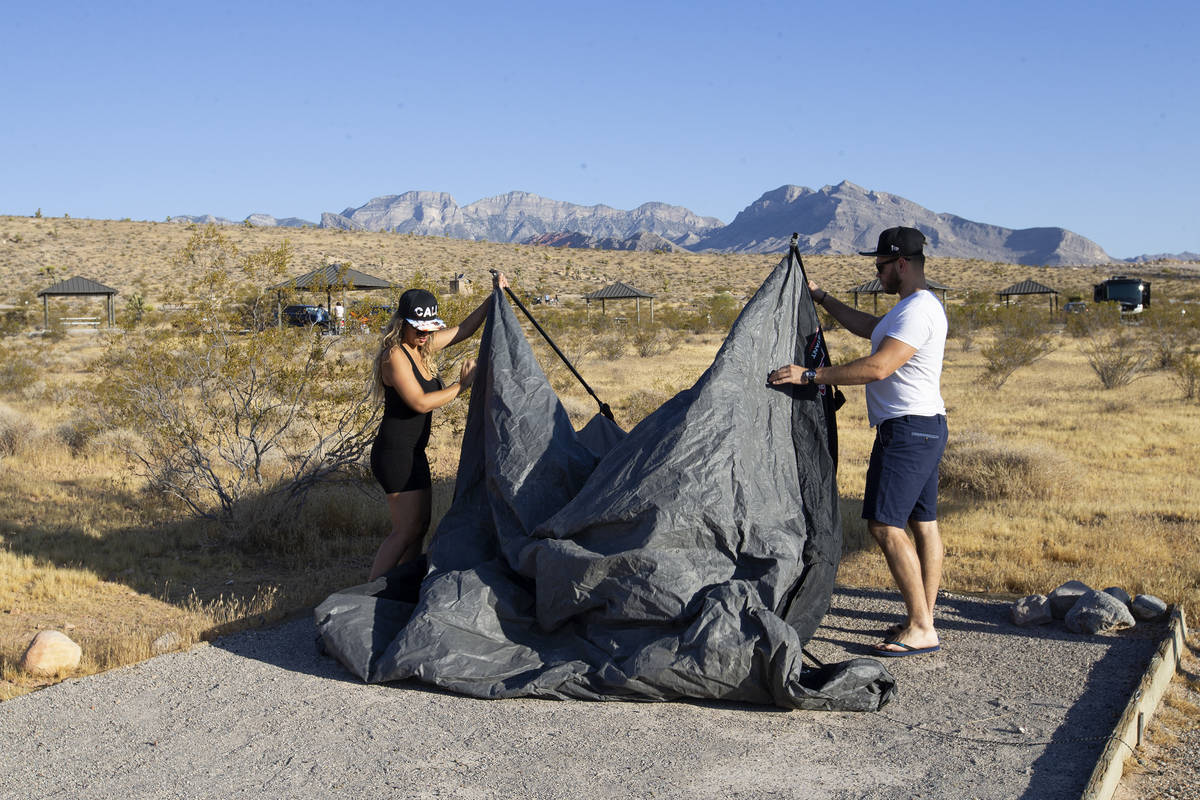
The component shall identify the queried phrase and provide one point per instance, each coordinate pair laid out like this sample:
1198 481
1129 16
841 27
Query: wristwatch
810 376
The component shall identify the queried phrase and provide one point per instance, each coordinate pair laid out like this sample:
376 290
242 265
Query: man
902 378
339 317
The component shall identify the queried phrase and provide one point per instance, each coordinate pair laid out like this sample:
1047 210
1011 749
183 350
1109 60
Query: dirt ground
1000 712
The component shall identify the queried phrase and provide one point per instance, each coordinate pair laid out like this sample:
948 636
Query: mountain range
834 219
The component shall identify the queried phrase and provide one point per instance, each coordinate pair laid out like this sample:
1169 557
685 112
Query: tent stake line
604 409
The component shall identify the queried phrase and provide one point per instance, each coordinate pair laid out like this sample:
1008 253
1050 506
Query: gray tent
693 557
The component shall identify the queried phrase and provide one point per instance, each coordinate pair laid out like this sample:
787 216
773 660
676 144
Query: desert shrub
1116 357
77 431
572 332
114 441
612 343
18 369
721 310
979 467
1094 321
682 318
238 427
1021 339
138 312
16 430
1185 371
968 318
717 312
635 407
654 340
14 321
1167 334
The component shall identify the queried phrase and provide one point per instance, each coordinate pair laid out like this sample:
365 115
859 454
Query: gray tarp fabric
693 557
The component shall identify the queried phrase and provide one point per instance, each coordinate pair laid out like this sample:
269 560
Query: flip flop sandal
908 650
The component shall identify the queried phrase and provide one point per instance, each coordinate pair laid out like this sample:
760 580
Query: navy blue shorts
902 478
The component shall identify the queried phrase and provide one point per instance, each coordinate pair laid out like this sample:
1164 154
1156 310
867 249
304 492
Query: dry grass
1051 477
1089 484
1170 739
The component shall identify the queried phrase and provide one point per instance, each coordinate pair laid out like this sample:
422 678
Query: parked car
1075 307
304 315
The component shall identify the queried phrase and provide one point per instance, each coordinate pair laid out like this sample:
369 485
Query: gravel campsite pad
1000 712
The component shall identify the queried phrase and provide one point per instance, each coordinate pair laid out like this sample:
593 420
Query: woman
405 380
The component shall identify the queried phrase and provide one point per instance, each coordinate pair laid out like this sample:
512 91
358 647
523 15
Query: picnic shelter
874 288
1029 286
329 278
620 291
78 287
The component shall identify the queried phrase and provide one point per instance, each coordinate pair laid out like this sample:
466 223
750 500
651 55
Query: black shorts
404 470
902 477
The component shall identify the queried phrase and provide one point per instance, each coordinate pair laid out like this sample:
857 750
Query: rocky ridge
840 219
847 218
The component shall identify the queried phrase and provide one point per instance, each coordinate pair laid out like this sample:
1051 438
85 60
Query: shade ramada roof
616 291
1027 287
873 286
77 286
334 276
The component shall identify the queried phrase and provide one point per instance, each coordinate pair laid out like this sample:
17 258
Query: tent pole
604 409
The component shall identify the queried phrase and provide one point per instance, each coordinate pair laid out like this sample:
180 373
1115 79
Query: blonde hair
393 335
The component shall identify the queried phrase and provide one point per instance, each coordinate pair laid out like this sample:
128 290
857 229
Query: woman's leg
410 519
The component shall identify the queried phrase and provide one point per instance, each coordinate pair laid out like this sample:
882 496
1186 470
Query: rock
1033 609
1065 596
49 653
1119 593
1098 611
1147 607
167 642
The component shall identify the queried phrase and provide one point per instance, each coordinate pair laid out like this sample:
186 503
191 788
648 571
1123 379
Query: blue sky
1020 114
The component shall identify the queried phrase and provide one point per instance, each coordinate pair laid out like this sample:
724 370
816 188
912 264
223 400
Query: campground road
1000 712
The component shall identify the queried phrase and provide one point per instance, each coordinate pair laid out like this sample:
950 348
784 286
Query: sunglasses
879 265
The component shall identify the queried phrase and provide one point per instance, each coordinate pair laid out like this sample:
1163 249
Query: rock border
1141 707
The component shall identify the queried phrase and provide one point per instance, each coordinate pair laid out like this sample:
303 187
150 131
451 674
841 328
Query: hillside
137 256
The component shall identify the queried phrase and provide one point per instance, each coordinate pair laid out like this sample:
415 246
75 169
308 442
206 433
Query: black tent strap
604 409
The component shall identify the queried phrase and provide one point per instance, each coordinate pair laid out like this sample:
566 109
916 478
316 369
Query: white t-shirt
919 321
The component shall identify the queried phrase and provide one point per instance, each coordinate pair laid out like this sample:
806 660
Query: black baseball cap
898 242
420 309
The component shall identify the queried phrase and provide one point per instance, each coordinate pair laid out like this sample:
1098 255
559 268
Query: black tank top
402 427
